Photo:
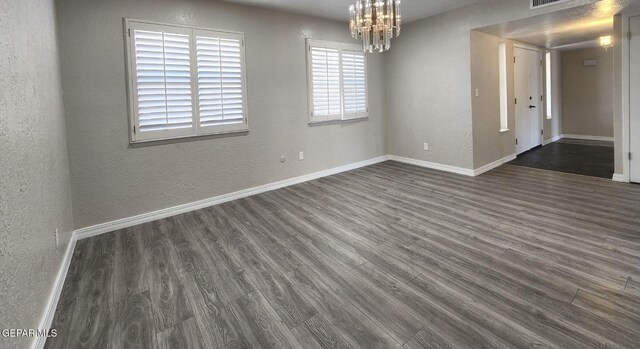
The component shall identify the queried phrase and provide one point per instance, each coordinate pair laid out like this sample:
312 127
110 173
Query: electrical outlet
301 156
283 158
426 146
477 93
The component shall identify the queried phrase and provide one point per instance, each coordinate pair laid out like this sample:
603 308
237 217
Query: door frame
540 51
626 95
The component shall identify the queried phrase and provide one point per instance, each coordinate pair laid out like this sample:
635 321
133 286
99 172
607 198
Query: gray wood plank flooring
386 256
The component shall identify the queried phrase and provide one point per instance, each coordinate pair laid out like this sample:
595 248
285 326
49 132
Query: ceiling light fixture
606 42
375 22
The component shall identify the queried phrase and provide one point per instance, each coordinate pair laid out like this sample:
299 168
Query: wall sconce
606 42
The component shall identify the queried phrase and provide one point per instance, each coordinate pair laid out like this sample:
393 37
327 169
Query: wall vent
535 4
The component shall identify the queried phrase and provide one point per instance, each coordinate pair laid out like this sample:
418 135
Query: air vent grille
542 3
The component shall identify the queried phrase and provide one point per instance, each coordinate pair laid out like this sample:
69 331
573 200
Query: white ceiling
568 29
339 9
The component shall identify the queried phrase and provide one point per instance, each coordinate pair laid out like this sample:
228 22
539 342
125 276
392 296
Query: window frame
342 117
196 131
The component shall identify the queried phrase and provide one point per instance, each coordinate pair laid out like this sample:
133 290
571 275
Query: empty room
320 174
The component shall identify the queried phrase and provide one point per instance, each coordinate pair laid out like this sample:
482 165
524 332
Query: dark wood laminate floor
584 157
385 256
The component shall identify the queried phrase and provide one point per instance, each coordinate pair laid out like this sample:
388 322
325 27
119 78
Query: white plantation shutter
220 79
354 83
163 82
337 81
325 78
184 81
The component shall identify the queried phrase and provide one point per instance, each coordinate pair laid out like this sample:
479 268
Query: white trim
626 94
52 302
551 140
488 167
617 177
588 138
452 169
102 228
433 165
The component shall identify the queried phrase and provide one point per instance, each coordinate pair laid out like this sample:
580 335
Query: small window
504 95
548 90
337 81
184 82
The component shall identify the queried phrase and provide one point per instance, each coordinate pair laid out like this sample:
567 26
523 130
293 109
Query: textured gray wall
112 180
35 195
429 81
489 144
587 93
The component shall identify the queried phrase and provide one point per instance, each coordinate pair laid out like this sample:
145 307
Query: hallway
584 157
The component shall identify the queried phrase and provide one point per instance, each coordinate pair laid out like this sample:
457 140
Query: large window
337 81
184 82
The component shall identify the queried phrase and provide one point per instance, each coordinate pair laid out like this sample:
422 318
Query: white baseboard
433 165
453 169
551 140
491 166
589 138
52 302
618 177
102 228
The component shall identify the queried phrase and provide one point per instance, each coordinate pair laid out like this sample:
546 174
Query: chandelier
375 22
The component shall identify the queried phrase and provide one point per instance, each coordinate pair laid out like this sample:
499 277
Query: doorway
585 144
528 92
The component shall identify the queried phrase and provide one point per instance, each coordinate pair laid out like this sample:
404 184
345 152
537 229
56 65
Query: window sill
341 121
505 130
152 142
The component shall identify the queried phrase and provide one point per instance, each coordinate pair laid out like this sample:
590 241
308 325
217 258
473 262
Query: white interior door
634 99
527 86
